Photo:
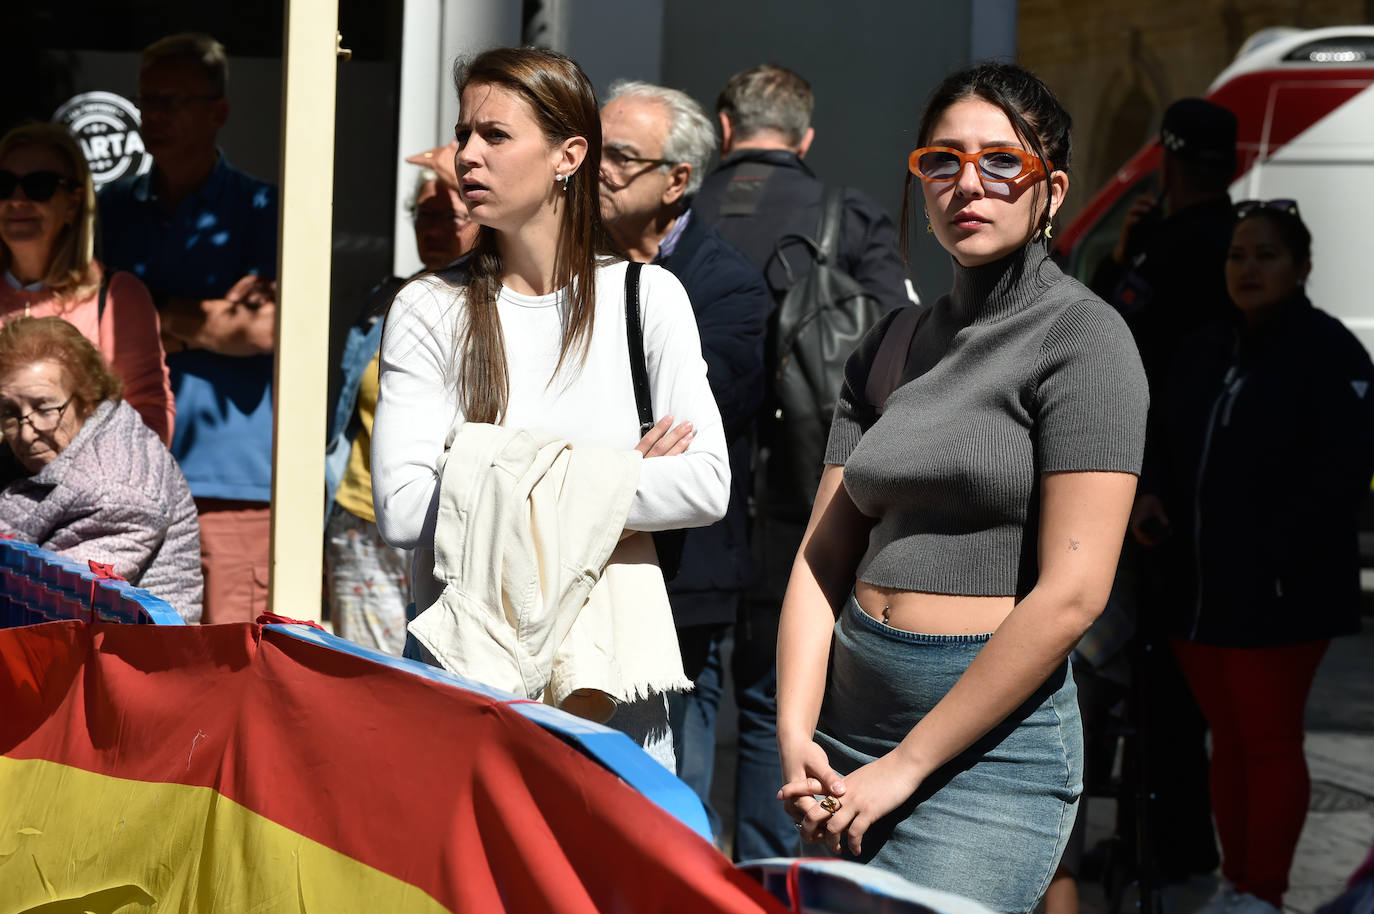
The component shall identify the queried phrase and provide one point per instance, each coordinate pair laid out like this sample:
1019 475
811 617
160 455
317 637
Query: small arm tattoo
1073 545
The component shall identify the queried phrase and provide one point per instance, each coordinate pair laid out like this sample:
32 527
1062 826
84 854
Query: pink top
128 335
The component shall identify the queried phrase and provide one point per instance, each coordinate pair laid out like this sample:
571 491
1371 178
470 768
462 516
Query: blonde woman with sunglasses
47 243
965 532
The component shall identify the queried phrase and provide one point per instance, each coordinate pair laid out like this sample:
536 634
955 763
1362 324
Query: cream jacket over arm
591 404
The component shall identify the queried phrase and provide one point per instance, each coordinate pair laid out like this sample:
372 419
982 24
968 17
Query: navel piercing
887 613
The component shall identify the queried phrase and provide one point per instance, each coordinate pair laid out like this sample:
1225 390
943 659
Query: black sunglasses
1280 205
39 186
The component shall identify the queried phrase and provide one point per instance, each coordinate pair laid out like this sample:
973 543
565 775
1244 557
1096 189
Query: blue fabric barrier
41 586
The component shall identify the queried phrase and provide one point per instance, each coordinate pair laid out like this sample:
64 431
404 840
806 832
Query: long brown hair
71 267
564 105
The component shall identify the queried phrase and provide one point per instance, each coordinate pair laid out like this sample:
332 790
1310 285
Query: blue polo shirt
220 233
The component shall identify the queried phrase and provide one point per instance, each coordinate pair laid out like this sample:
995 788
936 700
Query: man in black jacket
762 192
1165 273
655 146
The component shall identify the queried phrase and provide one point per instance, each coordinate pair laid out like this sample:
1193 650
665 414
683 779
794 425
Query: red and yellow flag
236 768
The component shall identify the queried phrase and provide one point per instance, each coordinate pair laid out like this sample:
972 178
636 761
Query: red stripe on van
1311 96
1248 97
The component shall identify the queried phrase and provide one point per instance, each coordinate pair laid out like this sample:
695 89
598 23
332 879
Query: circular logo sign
106 126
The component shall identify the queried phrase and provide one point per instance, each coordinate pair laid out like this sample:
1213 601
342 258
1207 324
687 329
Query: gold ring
831 804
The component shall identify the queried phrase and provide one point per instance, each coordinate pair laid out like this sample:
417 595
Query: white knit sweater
588 404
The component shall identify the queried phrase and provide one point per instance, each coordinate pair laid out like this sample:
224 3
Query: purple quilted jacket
114 495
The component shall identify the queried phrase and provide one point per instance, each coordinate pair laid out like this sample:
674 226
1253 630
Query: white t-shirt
591 404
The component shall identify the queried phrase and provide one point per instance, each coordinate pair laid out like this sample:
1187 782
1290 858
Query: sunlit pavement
1340 819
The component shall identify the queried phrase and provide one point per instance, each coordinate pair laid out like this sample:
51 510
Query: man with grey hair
763 190
656 143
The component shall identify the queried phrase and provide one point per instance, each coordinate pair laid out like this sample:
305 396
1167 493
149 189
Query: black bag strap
667 543
832 218
825 247
889 365
634 334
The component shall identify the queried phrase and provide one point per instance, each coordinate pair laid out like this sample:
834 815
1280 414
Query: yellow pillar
307 213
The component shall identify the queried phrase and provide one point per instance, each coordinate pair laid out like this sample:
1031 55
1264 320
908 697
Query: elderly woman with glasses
1253 496
83 475
966 529
47 239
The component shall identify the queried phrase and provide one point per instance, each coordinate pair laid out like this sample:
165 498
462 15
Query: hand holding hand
663 440
870 792
809 775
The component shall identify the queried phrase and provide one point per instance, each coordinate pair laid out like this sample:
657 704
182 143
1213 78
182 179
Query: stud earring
562 180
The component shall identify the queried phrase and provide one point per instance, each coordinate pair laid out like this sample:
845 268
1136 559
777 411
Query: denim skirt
992 823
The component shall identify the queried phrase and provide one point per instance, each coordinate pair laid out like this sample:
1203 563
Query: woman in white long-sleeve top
547 347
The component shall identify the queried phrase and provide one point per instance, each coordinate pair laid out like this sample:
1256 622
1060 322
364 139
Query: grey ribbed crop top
1018 372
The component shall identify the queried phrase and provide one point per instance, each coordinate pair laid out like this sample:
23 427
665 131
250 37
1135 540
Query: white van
1304 101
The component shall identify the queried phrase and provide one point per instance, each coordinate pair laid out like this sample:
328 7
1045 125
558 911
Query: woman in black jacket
1266 455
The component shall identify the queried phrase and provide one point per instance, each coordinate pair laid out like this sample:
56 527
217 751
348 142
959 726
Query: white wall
435 33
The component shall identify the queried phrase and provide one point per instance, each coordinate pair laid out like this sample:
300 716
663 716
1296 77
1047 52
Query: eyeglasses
996 163
1280 205
38 186
43 419
618 160
170 102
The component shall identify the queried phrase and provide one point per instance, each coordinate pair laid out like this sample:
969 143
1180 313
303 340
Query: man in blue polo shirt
203 238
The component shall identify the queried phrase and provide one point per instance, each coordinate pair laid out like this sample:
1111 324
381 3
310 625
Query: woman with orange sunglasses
966 530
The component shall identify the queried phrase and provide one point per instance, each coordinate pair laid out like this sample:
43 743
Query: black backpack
816 326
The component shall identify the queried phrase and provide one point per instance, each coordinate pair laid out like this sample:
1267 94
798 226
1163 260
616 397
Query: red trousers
1253 699
234 558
